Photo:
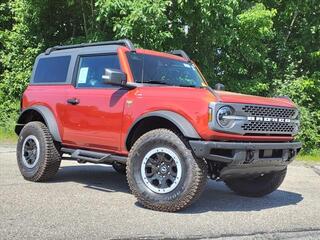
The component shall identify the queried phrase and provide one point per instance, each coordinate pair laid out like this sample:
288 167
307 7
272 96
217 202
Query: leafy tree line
262 47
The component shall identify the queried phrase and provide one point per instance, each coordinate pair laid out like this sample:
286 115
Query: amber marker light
210 115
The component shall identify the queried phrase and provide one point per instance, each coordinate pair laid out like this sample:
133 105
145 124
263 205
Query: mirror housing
219 86
114 77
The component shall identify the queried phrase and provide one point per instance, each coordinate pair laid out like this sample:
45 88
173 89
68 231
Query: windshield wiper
189 85
156 82
165 83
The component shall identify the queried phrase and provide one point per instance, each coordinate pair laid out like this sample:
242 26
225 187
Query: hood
230 97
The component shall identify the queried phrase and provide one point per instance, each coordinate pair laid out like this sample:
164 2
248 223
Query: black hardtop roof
122 42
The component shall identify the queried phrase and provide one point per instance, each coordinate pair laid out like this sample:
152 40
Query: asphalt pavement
94 202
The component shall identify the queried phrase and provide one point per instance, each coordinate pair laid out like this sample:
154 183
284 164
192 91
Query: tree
264 47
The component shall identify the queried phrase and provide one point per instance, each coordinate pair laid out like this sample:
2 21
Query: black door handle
73 101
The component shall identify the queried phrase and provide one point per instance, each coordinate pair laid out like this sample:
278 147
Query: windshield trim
202 84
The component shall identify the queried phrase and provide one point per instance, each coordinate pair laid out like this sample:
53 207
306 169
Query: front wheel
162 172
257 186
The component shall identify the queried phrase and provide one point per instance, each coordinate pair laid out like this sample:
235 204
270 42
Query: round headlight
222 117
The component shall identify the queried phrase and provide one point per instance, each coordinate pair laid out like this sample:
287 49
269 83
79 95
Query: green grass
7 137
313 157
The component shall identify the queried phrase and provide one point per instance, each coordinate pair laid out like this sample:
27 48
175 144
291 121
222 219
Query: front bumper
247 158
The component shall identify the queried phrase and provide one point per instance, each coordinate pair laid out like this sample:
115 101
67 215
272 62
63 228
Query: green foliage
305 92
19 49
263 47
144 22
9 112
247 64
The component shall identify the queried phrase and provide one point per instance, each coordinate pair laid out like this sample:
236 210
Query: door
94 110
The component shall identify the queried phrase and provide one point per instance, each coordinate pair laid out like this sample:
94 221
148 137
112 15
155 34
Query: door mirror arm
219 86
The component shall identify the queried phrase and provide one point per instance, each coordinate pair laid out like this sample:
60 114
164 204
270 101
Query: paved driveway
93 202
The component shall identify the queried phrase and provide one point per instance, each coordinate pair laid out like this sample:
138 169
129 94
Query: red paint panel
96 121
191 103
47 95
230 97
124 63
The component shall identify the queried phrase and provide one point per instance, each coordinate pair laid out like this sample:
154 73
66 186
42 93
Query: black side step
93 157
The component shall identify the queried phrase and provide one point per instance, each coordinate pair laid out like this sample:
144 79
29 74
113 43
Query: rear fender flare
47 116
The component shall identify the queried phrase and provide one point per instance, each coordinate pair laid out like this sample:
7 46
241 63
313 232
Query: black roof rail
181 53
124 42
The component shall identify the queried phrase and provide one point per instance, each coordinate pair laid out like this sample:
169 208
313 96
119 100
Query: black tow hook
249 157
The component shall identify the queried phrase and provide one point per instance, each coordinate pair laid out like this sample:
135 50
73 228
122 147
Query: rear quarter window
52 70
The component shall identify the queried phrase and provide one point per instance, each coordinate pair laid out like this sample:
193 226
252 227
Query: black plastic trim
93 156
202 149
124 42
246 159
180 53
179 121
48 117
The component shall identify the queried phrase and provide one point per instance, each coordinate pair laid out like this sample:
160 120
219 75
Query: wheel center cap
163 169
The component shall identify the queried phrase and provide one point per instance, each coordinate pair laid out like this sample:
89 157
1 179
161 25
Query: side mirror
219 86
114 77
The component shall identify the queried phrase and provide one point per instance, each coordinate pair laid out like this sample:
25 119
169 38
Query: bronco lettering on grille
269 119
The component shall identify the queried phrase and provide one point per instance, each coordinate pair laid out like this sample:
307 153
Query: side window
52 70
92 68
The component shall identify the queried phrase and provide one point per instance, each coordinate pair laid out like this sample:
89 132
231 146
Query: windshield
161 70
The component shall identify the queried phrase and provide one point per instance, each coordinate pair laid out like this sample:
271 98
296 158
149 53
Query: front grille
253 110
266 115
269 127
258 120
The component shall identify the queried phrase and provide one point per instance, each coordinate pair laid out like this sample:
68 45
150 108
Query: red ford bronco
154 118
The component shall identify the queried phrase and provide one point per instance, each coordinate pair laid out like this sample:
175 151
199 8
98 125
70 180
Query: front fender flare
179 121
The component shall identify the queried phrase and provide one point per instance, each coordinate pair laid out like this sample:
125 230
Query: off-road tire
120 168
49 158
193 178
257 187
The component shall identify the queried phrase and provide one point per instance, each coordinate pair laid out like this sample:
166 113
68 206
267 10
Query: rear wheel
257 186
162 172
38 155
